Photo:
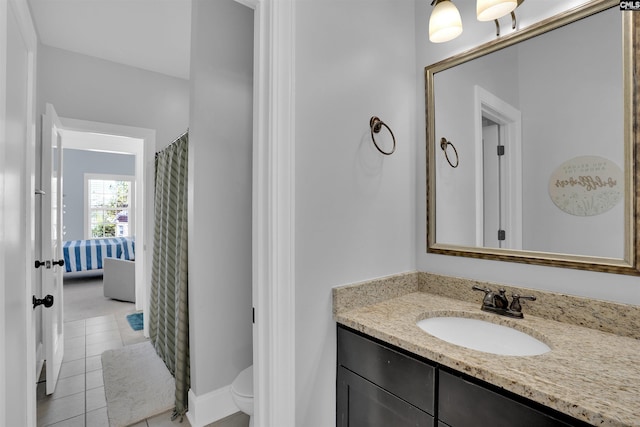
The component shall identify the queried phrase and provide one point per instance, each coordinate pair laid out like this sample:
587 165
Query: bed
88 255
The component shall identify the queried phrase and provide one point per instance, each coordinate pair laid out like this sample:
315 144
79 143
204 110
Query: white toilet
242 392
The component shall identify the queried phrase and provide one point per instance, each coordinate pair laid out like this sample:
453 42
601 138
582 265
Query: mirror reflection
539 130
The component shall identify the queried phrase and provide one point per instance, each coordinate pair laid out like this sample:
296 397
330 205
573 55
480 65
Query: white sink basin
483 336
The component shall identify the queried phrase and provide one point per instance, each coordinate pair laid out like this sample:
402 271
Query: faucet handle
479 288
515 302
488 300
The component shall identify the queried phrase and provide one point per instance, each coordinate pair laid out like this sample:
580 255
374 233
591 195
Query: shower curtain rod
181 135
174 141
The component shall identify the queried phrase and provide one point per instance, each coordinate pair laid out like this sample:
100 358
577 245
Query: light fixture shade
445 23
488 10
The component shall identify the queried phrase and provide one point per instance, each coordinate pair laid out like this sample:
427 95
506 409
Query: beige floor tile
98 349
94 379
164 420
71 354
74 324
95 399
99 319
98 418
69 369
93 363
71 422
103 336
64 387
101 327
135 338
128 335
73 331
75 342
238 419
55 410
85 340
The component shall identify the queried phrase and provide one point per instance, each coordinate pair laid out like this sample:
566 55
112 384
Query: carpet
137 384
83 298
135 321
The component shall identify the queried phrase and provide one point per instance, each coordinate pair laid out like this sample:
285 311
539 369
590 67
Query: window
109 210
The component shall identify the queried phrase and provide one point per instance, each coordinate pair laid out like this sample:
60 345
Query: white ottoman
119 279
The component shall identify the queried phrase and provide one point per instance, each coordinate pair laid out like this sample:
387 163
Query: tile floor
79 399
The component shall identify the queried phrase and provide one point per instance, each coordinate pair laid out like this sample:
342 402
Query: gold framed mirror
532 142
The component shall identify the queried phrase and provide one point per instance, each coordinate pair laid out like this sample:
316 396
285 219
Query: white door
53 326
17 147
492 186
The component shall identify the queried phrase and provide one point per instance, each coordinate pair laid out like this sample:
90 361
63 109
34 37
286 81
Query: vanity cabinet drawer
401 375
361 403
465 404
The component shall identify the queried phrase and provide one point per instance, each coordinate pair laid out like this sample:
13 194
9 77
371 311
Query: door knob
48 264
39 264
46 301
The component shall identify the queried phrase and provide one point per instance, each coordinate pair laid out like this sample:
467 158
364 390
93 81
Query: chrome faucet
497 302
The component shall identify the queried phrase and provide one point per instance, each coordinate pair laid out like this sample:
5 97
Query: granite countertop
591 375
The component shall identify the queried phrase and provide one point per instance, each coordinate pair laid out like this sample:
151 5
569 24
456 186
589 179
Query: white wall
354 207
574 126
576 282
220 175
76 164
88 88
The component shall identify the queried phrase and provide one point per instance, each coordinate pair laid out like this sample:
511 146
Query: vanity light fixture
488 10
491 10
445 23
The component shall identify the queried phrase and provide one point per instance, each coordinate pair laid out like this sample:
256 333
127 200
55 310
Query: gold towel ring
376 125
444 144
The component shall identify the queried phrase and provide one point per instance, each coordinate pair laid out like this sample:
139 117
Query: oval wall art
586 185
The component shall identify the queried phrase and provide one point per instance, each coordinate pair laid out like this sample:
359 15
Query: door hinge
500 150
502 235
253 310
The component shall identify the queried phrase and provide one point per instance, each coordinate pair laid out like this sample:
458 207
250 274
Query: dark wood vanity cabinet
485 407
379 385
362 403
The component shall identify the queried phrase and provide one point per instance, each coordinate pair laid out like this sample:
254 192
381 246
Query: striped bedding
85 255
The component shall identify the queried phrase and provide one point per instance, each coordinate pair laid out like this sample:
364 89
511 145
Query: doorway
85 338
125 140
498 153
99 206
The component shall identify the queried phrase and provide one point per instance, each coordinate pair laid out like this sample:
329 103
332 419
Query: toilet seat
242 386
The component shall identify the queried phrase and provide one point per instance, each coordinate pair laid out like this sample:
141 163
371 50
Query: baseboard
210 407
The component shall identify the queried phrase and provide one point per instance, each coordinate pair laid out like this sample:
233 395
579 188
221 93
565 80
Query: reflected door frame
509 120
